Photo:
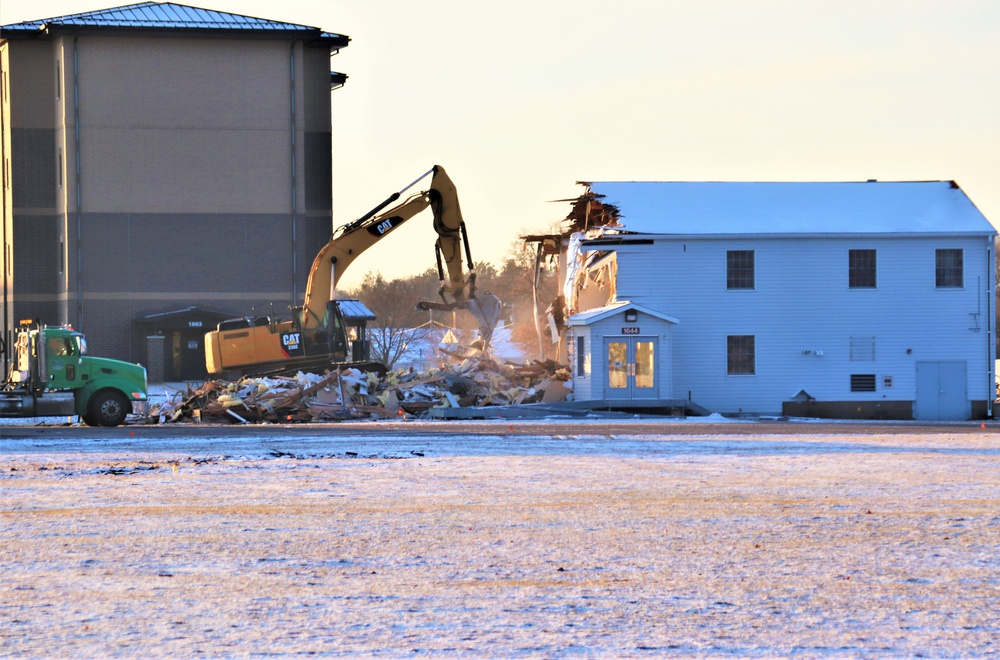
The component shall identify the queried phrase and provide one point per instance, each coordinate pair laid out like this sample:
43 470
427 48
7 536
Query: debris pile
353 394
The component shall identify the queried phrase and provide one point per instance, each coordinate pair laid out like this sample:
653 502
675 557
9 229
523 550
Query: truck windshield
60 346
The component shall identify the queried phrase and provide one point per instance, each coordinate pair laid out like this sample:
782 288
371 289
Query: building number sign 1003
631 330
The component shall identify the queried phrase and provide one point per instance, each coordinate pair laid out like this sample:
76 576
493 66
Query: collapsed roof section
590 210
586 279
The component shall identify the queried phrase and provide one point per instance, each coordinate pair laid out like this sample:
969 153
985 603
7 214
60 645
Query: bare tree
397 324
513 283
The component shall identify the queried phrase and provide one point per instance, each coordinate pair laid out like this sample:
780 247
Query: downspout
79 187
990 342
6 338
295 271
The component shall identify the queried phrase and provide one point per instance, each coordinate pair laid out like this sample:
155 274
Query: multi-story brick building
164 167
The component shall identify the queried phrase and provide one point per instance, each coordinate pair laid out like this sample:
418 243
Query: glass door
631 368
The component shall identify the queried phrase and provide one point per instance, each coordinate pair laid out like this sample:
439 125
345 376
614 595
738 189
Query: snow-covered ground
633 545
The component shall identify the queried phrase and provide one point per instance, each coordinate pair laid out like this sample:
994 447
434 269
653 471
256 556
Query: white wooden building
865 300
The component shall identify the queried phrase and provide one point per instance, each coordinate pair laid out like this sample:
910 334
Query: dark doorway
184 331
187 355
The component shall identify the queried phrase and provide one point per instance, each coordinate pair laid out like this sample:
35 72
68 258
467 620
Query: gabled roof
742 208
598 313
165 16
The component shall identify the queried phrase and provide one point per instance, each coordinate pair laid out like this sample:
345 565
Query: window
739 269
60 346
862 382
58 80
59 170
861 269
948 269
741 354
580 357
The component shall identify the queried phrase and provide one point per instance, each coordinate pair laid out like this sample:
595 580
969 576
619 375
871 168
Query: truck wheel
108 408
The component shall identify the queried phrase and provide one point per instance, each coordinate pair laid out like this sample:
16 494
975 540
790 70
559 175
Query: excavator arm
458 289
315 335
347 244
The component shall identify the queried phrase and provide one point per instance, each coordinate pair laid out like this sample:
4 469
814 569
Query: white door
631 371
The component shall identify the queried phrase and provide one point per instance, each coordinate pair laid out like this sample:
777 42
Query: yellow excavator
316 336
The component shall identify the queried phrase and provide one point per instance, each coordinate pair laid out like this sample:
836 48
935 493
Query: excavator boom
316 326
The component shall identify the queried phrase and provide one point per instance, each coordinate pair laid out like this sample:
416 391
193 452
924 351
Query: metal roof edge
640 239
169 18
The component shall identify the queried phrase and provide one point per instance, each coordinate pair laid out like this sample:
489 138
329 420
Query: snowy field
547 545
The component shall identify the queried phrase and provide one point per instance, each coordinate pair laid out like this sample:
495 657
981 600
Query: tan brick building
164 167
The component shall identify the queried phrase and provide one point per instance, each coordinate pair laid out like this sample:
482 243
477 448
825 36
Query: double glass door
631 370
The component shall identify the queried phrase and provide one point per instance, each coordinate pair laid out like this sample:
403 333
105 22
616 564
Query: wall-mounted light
631 316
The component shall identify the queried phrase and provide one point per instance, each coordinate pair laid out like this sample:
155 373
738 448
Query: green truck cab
53 376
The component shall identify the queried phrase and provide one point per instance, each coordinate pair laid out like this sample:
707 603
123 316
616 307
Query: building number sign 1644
631 330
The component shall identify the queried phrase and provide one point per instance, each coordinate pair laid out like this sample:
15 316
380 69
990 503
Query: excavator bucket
486 310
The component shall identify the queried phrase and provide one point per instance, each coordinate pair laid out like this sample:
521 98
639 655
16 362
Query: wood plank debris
349 394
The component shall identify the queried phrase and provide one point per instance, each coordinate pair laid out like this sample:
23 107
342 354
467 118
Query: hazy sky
521 99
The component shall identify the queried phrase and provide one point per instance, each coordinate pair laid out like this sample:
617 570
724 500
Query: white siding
802 302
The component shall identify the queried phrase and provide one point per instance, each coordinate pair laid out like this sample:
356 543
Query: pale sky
520 99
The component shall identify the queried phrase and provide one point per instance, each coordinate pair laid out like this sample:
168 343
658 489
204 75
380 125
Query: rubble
350 394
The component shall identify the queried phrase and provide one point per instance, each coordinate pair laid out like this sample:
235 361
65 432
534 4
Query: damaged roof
739 208
167 16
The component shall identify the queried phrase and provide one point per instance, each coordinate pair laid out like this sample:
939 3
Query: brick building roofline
173 18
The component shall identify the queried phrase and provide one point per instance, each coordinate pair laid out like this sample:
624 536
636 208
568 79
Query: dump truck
316 336
52 376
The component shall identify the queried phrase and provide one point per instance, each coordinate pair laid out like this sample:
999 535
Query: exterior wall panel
319 165
33 167
31 84
803 316
36 259
181 125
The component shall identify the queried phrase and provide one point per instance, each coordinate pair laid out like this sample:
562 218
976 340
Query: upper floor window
739 269
948 269
861 269
741 354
